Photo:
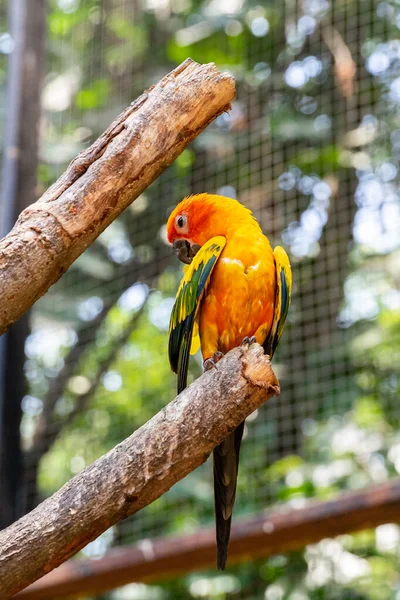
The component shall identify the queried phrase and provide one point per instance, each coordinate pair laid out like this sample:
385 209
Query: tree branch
104 179
271 532
345 67
139 470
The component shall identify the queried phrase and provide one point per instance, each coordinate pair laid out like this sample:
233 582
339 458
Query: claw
247 341
211 363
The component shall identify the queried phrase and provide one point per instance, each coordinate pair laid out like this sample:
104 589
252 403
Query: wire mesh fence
311 145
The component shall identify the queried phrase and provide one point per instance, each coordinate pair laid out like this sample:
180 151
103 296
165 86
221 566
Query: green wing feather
282 299
188 298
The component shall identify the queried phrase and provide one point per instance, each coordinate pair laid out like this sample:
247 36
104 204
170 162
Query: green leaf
94 96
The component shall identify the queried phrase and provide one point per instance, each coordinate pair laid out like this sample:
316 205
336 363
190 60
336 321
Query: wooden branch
345 67
104 179
139 470
260 536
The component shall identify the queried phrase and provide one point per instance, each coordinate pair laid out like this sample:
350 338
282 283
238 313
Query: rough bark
262 535
104 179
139 470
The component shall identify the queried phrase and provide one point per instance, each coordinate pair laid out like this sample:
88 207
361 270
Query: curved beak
184 251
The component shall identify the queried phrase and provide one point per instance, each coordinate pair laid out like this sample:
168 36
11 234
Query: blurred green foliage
294 146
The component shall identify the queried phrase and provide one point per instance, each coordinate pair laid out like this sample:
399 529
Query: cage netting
312 146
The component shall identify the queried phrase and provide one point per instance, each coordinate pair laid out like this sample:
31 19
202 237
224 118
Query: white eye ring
181 224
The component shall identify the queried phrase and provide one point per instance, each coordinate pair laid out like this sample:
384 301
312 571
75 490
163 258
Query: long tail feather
226 463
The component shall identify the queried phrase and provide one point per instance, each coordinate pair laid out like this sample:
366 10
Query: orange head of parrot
198 218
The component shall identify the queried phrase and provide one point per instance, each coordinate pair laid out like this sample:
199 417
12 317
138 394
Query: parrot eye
181 223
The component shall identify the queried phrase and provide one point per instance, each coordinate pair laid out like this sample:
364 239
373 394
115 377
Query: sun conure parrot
235 290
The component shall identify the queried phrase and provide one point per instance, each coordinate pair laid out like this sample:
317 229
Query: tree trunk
27 26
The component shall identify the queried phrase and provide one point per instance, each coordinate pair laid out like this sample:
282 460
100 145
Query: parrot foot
247 341
211 363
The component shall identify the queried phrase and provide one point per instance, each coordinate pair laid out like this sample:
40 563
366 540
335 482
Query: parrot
235 290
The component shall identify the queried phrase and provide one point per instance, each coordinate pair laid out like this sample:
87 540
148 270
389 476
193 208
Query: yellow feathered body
235 287
240 298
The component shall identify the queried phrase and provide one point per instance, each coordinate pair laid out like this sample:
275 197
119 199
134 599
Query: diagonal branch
345 66
282 530
103 180
139 470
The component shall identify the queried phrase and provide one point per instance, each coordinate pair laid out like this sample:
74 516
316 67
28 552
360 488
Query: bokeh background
312 146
